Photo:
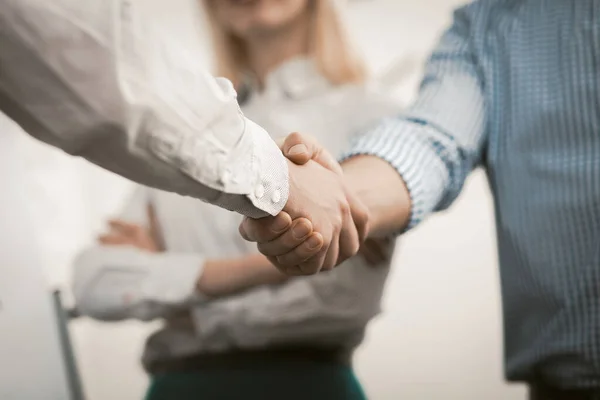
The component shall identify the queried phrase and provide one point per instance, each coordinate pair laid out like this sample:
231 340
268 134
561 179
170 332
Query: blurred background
439 336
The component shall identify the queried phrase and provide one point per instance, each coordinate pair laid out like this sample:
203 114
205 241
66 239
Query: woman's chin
259 29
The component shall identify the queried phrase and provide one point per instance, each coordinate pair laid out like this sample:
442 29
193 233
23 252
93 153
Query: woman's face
245 18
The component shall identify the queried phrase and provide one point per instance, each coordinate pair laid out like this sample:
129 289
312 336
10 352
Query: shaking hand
322 224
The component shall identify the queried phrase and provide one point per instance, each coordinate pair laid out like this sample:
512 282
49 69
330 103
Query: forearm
317 308
382 190
137 109
223 277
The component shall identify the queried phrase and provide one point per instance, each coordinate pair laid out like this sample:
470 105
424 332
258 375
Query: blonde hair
330 47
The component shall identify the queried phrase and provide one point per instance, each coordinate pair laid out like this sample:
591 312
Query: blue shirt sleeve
438 140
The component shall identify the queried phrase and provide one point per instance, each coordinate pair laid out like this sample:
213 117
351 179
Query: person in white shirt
234 326
99 80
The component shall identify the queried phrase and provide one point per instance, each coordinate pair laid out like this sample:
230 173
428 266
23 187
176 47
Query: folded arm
117 283
121 282
130 275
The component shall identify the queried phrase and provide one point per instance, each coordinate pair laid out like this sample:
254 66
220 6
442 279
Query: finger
301 148
113 240
295 148
265 229
110 237
293 270
332 257
312 251
123 227
349 239
314 264
299 232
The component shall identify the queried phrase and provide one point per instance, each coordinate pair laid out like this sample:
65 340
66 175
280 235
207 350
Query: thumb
300 149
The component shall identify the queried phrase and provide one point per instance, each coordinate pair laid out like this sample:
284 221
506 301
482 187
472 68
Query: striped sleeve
438 140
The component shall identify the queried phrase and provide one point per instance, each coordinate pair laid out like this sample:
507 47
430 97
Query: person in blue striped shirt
513 86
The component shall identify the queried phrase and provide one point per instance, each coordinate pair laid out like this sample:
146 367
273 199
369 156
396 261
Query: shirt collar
294 79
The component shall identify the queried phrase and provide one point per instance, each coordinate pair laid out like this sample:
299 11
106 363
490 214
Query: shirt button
259 191
226 176
276 196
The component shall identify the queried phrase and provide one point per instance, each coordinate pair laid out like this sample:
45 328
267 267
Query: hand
123 233
376 251
317 194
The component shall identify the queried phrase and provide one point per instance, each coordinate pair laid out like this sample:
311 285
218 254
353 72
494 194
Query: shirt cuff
253 167
270 171
406 146
172 278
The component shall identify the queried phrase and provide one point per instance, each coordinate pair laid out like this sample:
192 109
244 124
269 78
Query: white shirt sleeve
115 283
93 79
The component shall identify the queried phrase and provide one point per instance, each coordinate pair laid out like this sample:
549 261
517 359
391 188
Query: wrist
291 206
382 191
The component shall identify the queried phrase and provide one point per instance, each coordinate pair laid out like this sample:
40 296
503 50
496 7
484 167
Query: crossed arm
130 275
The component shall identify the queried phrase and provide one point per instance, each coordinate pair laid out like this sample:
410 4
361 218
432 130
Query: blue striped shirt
514 86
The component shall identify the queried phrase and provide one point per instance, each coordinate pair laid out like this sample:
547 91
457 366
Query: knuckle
349 251
265 248
288 240
309 269
337 222
292 258
328 268
308 252
243 231
264 236
327 242
344 207
355 248
361 217
283 262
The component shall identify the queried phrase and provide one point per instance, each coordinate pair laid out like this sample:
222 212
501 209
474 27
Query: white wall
440 334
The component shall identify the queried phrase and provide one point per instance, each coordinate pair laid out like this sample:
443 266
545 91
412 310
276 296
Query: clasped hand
323 222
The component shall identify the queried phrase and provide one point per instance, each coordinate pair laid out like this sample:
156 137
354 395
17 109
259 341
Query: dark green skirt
281 380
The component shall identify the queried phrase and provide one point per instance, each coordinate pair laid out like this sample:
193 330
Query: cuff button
259 191
226 177
276 197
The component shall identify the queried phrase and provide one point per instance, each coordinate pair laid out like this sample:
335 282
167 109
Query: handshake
322 224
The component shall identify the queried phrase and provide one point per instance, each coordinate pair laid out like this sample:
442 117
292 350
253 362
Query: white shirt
99 80
328 308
